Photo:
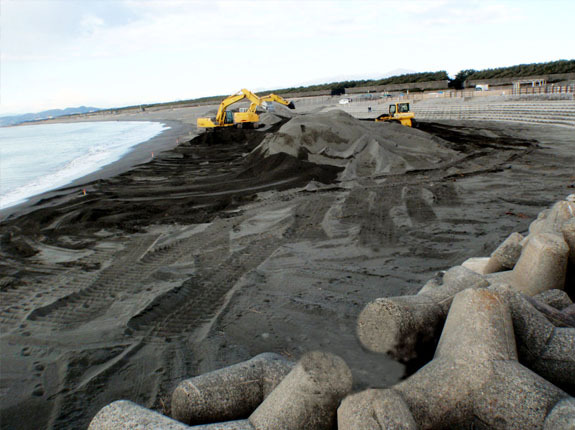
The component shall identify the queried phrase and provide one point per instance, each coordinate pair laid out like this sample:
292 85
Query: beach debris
473 379
230 393
306 398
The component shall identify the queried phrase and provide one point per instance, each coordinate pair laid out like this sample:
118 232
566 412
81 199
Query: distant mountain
47 114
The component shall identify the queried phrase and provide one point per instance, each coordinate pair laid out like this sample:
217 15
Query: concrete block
568 231
558 299
375 409
505 277
506 255
562 416
538 225
545 349
474 380
477 264
552 220
308 397
126 415
515 398
485 335
397 325
228 425
230 393
542 265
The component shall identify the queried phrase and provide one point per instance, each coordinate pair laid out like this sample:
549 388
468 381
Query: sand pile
361 148
283 111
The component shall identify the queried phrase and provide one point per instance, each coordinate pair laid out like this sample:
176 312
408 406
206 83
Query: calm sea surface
39 158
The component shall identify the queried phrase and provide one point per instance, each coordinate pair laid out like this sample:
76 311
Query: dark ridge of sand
227 246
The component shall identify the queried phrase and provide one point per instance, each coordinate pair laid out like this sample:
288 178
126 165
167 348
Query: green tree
460 78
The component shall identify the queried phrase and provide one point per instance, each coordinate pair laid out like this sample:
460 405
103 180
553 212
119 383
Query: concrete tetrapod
555 298
399 325
126 415
308 397
544 348
552 220
568 231
506 255
473 380
562 417
230 393
542 265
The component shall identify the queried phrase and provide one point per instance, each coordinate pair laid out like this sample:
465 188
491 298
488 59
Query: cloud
91 24
156 50
456 13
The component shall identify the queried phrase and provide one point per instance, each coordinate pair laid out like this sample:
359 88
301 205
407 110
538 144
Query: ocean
39 158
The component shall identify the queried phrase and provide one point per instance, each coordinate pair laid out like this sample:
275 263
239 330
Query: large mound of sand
361 148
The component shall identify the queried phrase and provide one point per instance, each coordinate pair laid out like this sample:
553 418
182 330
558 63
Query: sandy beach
229 244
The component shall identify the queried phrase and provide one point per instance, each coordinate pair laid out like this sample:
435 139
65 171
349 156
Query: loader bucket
291 105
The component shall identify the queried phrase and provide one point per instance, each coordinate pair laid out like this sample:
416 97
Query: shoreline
138 154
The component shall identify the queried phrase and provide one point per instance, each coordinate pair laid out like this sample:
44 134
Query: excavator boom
224 118
277 99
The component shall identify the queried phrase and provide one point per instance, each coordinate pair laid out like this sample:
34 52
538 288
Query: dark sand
216 251
141 153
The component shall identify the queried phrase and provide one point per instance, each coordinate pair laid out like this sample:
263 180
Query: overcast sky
108 53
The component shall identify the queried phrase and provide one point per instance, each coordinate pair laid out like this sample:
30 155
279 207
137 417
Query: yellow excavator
247 118
398 112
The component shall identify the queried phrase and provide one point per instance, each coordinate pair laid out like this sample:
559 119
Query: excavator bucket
291 105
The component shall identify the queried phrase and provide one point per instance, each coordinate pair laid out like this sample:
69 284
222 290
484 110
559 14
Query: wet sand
226 246
141 153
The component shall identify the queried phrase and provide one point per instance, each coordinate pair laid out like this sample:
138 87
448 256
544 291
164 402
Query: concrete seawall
535 110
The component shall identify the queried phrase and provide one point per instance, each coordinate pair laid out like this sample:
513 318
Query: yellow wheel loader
398 112
248 118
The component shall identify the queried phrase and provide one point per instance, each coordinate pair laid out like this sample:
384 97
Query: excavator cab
229 118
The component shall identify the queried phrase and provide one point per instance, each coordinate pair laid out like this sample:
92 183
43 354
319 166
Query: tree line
518 71
523 70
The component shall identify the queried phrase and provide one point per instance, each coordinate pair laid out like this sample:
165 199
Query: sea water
39 158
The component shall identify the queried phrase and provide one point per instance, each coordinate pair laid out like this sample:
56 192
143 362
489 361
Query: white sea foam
39 158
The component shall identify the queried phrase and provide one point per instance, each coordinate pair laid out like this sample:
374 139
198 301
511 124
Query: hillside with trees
523 70
400 79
